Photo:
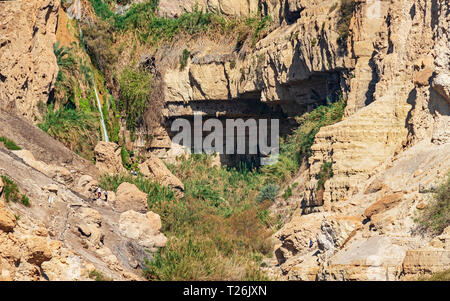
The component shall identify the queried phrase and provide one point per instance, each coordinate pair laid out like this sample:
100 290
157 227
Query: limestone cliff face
399 53
296 66
392 141
171 8
289 62
27 63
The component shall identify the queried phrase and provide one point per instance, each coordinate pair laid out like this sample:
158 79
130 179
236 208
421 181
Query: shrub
287 193
436 216
76 129
99 41
97 276
152 29
184 59
297 147
11 192
440 276
268 192
135 88
326 172
125 158
156 192
9 144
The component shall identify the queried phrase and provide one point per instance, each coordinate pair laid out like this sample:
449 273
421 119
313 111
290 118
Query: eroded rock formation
27 62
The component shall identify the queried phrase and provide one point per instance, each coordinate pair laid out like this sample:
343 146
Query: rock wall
391 103
392 143
175 8
297 66
27 63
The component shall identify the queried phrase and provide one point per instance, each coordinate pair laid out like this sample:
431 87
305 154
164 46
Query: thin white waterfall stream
105 133
102 121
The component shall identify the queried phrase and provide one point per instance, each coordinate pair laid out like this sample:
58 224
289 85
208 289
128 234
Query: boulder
38 250
86 185
154 168
129 197
108 159
88 224
144 228
7 219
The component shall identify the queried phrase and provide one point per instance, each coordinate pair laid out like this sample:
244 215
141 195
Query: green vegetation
11 192
97 276
287 193
9 144
441 276
76 129
268 192
111 118
156 193
346 13
217 231
436 216
297 147
142 19
99 40
184 59
326 172
135 89
65 85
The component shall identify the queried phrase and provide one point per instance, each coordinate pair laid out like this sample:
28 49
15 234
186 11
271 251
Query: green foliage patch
436 216
11 192
135 89
9 144
76 129
297 147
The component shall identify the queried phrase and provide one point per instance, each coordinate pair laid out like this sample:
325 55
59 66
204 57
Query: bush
9 144
297 147
184 59
326 172
440 276
135 88
436 216
97 276
11 192
156 192
99 41
76 129
152 29
268 192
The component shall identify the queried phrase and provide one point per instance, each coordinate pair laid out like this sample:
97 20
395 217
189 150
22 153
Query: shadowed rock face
27 62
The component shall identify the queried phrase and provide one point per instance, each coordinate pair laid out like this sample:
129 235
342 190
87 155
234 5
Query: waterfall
105 134
102 121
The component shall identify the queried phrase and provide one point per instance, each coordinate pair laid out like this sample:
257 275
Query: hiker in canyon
99 192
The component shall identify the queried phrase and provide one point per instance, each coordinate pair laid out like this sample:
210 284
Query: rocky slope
66 234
